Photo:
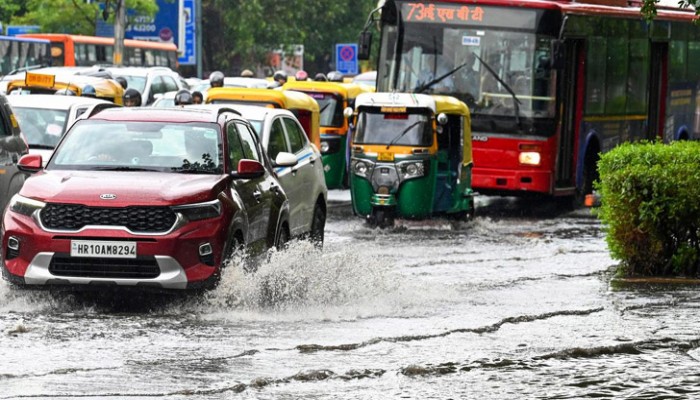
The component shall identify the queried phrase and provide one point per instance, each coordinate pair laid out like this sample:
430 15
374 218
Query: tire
383 218
282 238
318 226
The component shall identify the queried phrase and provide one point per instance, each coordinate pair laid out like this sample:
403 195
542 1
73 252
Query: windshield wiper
124 168
427 85
397 138
516 100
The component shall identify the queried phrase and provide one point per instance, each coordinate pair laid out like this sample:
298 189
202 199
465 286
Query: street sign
14 30
189 55
346 58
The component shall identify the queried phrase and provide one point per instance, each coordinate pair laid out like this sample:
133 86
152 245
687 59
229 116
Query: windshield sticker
471 41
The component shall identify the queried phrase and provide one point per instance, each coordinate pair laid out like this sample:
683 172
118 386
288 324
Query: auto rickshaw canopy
436 103
304 107
107 89
346 90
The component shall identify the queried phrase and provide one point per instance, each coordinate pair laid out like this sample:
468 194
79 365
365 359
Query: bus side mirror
557 54
364 46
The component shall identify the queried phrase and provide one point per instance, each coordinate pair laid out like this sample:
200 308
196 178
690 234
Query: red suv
144 197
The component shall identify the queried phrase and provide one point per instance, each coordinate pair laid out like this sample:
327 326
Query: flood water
515 304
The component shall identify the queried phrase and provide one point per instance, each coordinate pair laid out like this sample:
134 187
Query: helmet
65 92
246 73
183 97
301 75
132 98
335 76
89 91
320 77
216 79
122 81
280 76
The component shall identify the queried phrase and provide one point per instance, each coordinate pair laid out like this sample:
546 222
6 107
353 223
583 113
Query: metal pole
198 35
119 27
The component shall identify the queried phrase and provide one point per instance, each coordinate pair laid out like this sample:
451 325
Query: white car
149 81
44 118
304 183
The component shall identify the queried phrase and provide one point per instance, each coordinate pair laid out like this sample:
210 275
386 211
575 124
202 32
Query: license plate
93 248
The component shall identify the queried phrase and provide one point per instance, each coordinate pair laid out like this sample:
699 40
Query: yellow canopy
107 89
451 105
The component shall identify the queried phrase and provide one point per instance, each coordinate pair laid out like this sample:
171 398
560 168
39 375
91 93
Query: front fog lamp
362 168
25 206
411 169
199 211
529 158
325 147
206 254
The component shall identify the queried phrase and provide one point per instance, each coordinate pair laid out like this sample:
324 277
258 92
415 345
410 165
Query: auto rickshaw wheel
382 218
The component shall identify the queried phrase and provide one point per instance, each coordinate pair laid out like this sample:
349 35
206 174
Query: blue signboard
13 30
189 55
346 58
163 27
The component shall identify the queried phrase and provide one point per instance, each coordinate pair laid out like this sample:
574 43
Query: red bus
79 50
550 84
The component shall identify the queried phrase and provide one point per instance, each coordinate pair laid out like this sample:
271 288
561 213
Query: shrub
650 207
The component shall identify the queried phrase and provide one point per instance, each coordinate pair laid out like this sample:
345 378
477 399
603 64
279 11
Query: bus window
57 54
677 60
638 77
596 64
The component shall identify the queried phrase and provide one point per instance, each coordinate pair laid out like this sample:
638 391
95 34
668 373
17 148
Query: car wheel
318 226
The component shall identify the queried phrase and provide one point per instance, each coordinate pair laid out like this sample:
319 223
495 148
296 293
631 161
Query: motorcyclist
183 97
89 91
132 98
216 79
301 75
280 77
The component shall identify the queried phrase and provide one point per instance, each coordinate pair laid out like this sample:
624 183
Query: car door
303 174
277 142
157 87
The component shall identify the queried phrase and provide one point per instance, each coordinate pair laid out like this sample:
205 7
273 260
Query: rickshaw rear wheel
382 218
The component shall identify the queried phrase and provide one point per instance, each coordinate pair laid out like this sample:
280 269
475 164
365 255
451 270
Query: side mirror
442 119
557 54
248 169
348 112
285 159
30 163
364 46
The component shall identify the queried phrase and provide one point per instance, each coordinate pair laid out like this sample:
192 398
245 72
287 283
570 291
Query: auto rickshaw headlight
362 168
411 169
325 147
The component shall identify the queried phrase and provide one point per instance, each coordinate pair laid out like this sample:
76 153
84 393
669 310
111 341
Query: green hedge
650 207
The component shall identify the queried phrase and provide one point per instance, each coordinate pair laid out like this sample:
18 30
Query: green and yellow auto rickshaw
411 157
333 98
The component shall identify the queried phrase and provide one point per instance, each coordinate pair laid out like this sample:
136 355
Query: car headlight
325 147
25 206
199 211
411 169
362 168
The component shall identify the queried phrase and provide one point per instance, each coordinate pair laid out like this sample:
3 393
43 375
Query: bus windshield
404 129
494 71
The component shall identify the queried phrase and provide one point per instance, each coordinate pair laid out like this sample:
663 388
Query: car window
250 147
235 148
277 140
170 84
297 139
41 127
158 86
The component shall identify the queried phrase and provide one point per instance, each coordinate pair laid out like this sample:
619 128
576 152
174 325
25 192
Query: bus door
572 92
657 90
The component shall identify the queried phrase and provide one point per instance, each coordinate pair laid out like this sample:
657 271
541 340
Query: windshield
136 82
141 146
404 129
41 127
331 107
489 69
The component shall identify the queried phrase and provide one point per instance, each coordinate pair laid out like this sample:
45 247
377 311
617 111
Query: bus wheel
590 175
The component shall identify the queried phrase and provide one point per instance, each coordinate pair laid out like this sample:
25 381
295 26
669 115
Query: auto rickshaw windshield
404 129
331 108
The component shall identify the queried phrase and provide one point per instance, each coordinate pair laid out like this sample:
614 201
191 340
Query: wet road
514 304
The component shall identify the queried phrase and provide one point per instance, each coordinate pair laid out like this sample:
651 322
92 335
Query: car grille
72 217
144 268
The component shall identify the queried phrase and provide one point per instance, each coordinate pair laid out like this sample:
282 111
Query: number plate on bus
93 248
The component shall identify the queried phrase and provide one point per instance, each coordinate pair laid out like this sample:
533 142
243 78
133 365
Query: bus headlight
411 169
529 158
362 168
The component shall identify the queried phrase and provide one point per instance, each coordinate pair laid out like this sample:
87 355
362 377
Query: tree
65 16
649 7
